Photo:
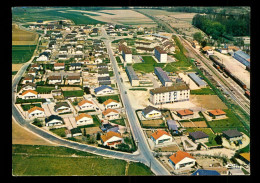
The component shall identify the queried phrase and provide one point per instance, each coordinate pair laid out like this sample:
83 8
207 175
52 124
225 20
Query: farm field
22 37
209 102
22 53
16 67
22 136
46 160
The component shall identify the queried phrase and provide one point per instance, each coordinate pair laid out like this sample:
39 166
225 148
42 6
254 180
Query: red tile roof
217 112
82 115
107 111
35 108
29 91
59 64
158 133
109 135
179 155
109 101
185 112
84 102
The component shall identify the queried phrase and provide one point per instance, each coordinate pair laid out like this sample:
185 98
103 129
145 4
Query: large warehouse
242 57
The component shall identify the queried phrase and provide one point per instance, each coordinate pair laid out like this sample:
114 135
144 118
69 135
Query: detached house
208 50
36 112
29 94
216 114
161 137
84 119
181 159
28 79
59 66
53 120
110 114
104 89
185 114
111 139
199 136
75 66
62 107
86 105
232 135
36 66
73 80
29 86
110 103
151 112
44 56
32 72
55 79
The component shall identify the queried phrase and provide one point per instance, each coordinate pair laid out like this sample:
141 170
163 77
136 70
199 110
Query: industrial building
134 80
170 94
160 54
242 57
162 76
200 83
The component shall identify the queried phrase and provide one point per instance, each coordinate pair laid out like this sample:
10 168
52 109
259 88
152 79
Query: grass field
118 121
59 131
203 91
22 53
76 93
22 37
148 64
46 161
208 131
102 99
41 89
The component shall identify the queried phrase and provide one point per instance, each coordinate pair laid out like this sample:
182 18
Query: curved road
143 155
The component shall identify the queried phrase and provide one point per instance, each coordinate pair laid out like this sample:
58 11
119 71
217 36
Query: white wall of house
42 58
36 113
85 121
112 105
29 88
54 122
29 96
86 106
63 109
164 138
105 91
59 67
113 139
73 81
54 81
111 116
153 114
186 162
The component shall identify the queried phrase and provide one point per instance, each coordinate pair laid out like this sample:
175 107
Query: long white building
170 94
160 54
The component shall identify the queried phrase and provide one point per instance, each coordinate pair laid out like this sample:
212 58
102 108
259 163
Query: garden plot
187 124
170 148
153 123
200 124
210 102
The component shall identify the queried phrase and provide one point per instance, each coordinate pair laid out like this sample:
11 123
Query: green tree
203 43
84 132
218 140
98 136
199 146
198 36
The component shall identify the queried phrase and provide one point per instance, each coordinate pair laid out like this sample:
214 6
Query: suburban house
62 57
199 136
29 86
106 127
98 61
30 94
181 159
151 112
53 120
161 137
63 50
62 107
84 119
160 54
55 79
232 135
185 114
208 50
86 105
102 65
170 94
103 72
205 172
112 104
111 139
36 112
36 66
32 72
216 114
73 80
104 89
162 76
110 114
172 126
75 66
59 66
28 79
44 56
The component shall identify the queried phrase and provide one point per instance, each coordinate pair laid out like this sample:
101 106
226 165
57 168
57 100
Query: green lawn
59 131
45 90
22 53
148 64
203 91
76 93
232 122
102 99
118 59
118 121
26 107
111 73
40 161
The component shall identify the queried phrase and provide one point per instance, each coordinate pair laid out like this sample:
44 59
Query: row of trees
219 26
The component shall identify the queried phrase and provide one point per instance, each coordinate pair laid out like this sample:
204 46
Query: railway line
229 86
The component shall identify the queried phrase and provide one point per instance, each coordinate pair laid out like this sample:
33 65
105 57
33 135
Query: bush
37 122
218 139
199 147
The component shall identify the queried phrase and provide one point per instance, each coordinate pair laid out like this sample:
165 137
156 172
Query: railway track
229 85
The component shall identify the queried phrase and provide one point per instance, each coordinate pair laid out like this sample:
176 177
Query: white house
103 90
151 112
29 86
53 120
110 114
36 112
62 107
160 54
84 119
208 50
28 79
73 80
55 79
111 139
44 56
110 103
181 159
86 105
161 137
59 66
29 94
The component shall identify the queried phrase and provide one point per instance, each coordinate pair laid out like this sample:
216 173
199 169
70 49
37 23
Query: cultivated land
22 53
16 67
46 160
22 37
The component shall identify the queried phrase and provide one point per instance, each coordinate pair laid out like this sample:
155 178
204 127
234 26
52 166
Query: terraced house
170 94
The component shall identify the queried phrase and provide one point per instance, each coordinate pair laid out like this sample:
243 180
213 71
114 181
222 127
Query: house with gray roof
62 107
199 136
151 112
232 135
